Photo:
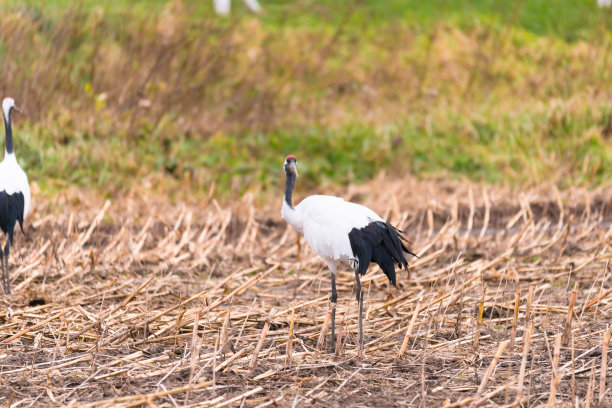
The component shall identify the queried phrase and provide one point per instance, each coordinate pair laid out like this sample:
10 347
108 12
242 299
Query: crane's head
8 104
290 165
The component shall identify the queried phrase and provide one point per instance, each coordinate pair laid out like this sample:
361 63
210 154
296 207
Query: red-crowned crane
344 232
14 192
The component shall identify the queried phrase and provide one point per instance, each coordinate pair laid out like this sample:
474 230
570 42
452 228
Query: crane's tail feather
381 243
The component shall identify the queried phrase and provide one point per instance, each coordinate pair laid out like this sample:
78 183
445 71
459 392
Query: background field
167 96
481 128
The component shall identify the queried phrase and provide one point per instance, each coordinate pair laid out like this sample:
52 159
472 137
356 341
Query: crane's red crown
290 157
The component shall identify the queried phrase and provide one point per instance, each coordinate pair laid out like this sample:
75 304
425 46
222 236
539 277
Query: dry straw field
146 302
167 295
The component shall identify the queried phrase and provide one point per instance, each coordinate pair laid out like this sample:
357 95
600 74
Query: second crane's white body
13 180
14 192
326 222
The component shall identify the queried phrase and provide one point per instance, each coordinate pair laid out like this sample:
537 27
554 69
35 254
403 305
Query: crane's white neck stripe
7 104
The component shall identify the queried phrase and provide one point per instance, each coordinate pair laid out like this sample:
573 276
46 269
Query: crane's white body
14 192
326 222
13 180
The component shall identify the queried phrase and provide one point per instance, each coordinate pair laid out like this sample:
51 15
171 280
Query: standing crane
344 232
14 192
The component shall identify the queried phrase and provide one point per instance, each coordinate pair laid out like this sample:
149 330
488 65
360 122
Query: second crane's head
8 104
291 166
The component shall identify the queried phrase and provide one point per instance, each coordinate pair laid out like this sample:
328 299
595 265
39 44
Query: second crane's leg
360 301
334 303
6 266
361 320
3 273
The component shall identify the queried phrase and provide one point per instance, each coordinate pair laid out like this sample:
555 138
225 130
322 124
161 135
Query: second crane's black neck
289 185
8 129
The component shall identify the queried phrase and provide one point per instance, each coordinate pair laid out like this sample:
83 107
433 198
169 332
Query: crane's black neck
289 185
8 129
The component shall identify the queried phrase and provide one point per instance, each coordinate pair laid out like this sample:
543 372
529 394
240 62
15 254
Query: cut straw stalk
195 348
498 390
526 349
528 310
274 402
555 374
596 299
239 397
83 238
479 321
589 395
573 383
225 330
500 350
324 328
517 298
338 344
604 364
36 326
485 222
230 360
289 349
262 337
147 398
567 327
415 314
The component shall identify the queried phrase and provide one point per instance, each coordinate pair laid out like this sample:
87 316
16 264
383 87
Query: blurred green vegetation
169 97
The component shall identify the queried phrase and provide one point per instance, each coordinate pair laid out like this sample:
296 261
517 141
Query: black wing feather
381 243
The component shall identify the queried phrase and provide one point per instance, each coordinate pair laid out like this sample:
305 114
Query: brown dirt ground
142 301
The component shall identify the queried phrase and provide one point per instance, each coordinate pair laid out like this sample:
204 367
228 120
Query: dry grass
143 302
191 99
201 76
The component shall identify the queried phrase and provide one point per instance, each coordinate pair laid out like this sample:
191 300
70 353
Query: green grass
526 149
564 18
170 97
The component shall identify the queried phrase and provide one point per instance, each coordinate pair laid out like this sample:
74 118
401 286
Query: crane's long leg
334 302
6 266
3 273
360 301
